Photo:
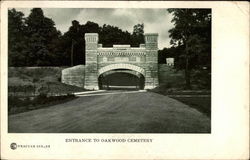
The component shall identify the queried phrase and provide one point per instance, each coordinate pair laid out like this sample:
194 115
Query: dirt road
141 112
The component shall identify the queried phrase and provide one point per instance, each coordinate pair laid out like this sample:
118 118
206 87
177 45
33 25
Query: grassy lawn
19 105
31 88
198 99
203 104
32 81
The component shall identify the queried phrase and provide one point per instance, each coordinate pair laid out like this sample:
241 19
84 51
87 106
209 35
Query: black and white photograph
124 80
84 70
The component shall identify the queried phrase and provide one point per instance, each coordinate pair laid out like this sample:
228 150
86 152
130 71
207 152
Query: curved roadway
140 112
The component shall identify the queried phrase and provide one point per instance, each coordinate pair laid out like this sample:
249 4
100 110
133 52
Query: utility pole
72 52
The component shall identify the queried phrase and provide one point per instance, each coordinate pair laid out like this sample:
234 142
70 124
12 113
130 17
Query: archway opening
121 79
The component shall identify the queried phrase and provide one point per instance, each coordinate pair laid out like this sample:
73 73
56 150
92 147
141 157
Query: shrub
18 105
35 80
202 79
40 99
59 79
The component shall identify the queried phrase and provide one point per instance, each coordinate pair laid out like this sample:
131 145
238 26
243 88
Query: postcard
124 80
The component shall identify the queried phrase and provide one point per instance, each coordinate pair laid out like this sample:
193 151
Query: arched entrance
142 59
121 79
121 76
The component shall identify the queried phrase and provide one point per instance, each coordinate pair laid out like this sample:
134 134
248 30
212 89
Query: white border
230 95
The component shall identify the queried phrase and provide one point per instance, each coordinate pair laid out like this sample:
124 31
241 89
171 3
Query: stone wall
167 75
74 76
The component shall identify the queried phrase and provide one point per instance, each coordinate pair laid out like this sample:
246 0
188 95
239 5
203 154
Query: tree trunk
72 50
187 70
187 74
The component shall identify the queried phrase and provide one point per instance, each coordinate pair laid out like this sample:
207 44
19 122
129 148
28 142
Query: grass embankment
198 99
19 105
172 84
33 81
202 104
37 87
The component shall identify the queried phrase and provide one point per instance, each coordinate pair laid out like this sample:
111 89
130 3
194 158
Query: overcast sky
155 20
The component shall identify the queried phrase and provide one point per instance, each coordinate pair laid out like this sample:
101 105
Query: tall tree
76 34
192 29
35 41
172 52
16 38
138 29
42 36
138 34
73 42
73 39
110 35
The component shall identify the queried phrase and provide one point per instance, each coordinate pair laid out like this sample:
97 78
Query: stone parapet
74 76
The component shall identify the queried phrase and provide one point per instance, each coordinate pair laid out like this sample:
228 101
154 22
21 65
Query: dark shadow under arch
121 79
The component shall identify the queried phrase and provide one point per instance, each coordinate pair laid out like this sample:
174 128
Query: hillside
31 81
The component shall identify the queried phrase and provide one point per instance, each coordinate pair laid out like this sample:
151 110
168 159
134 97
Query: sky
155 20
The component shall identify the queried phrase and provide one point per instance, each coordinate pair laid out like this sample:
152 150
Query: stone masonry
74 76
141 60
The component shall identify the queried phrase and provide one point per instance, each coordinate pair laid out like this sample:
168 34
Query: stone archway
142 60
137 76
121 66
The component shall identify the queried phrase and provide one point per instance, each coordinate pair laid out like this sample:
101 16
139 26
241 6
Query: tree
108 36
73 44
16 38
91 27
138 34
42 38
192 30
171 52
35 41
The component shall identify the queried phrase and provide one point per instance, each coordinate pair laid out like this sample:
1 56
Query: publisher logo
13 146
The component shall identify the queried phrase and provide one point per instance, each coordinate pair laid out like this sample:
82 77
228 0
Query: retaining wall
74 75
167 75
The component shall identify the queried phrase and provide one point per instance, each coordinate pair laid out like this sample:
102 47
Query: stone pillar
151 64
91 72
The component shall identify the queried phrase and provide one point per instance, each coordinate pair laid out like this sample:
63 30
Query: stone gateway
140 62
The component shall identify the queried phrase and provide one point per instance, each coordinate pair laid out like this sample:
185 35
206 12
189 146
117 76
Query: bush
35 80
201 79
40 99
